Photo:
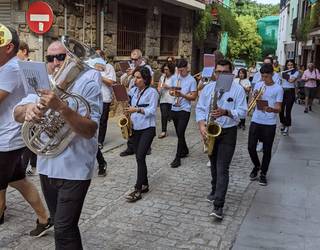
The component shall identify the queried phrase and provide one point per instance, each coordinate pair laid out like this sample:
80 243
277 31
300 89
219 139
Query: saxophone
125 124
52 135
213 128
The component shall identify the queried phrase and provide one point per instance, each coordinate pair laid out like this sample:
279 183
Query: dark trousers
287 104
65 199
265 134
103 122
165 109
180 121
220 159
29 156
102 132
142 140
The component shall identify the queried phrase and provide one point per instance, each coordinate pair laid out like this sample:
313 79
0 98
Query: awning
189 4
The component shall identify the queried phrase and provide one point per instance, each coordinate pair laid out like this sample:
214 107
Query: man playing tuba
231 106
65 178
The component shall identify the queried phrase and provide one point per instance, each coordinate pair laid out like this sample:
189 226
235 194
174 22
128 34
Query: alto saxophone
52 135
125 124
213 128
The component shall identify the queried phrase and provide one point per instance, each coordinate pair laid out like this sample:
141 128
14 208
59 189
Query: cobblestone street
173 215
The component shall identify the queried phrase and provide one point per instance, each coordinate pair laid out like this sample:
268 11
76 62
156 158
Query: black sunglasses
59 57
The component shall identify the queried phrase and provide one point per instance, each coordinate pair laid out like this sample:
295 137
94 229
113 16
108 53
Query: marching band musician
143 109
65 178
263 122
289 96
166 100
181 108
12 146
232 106
128 80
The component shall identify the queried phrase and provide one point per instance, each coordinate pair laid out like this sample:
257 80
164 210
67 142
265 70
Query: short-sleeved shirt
77 161
314 74
165 97
290 85
272 94
106 91
10 82
188 84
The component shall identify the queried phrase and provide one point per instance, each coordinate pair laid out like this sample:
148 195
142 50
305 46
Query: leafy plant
226 21
247 45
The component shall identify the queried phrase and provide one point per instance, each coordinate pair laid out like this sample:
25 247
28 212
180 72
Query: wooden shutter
5 12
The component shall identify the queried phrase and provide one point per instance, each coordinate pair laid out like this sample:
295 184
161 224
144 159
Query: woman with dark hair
246 84
142 110
166 99
288 84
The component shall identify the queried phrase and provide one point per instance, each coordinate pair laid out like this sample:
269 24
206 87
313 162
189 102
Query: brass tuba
213 128
52 135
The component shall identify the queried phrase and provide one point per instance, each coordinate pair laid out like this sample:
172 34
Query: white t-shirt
165 97
290 85
272 94
245 83
106 91
11 82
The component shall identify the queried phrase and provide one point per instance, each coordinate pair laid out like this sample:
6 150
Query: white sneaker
209 164
259 147
285 131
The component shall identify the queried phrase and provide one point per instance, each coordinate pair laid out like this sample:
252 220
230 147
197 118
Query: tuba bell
52 135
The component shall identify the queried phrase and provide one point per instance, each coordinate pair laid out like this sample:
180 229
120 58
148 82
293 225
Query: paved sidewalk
173 215
285 214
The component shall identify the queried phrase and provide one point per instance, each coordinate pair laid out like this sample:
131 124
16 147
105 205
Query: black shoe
210 197
217 212
41 229
134 196
263 180
254 174
176 163
149 151
310 109
306 110
126 152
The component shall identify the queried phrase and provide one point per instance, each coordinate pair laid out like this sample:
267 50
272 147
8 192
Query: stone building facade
158 27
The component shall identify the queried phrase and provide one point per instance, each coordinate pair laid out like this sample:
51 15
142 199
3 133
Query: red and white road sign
39 17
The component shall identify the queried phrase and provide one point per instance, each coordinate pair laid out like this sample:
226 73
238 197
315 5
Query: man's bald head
55 51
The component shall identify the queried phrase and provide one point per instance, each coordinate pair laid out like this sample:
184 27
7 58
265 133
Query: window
131 30
170 30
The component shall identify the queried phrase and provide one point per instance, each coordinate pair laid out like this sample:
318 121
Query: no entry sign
39 17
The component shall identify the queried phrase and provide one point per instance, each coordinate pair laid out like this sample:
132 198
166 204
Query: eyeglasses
59 57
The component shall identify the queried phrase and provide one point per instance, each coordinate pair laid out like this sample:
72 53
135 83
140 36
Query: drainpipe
102 25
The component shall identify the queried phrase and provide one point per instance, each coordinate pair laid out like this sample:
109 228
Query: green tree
247 45
252 8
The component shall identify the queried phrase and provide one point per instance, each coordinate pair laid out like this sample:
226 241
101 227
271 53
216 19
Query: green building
268 30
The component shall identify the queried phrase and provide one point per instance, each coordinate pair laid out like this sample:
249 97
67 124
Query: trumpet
173 92
256 96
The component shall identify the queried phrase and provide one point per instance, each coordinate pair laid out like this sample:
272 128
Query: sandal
162 135
134 196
